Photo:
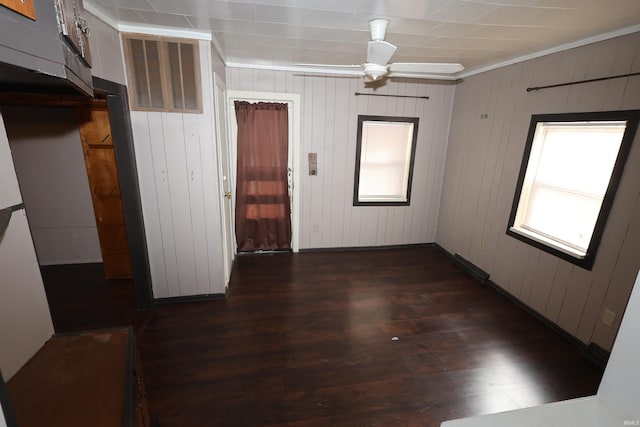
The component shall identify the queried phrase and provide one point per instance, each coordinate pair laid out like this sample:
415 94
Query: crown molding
156 30
551 51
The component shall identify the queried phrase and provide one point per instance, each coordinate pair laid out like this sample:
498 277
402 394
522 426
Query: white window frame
367 125
540 124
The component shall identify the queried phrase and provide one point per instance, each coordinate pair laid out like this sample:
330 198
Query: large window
384 160
570 171
163 73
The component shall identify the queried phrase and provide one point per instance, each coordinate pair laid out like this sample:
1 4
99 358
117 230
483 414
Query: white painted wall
105 45
178 174
53 179
329 123
25 322
217 64
619 387
482 166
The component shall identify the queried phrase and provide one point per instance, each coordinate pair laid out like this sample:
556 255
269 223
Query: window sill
567 250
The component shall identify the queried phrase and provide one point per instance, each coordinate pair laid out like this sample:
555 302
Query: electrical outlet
482 245
608 317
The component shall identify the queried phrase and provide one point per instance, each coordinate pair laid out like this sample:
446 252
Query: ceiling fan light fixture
374 72
378 28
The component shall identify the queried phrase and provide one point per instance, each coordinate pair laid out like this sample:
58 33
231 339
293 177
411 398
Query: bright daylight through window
570 171
384 160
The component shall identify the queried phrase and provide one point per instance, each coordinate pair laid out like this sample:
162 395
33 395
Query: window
570 171
163 73
385 152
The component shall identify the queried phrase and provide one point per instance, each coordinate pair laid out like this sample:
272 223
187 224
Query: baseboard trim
367 248
591 352
597 355
190 298
472 269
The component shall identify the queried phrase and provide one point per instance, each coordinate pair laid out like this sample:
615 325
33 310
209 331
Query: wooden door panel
117 265
102 163
99 133
109 211
97 144
114 238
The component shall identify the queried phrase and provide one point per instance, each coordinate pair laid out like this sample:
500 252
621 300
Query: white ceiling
476 33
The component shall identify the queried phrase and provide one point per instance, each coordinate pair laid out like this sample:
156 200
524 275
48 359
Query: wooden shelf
82 379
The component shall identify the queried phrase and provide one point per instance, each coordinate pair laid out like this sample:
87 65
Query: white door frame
293 101
226 211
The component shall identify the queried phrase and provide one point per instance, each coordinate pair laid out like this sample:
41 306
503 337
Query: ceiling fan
379 52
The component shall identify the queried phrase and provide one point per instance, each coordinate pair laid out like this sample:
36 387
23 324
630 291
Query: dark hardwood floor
396 337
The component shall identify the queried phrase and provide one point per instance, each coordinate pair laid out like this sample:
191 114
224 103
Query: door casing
293 101
224 162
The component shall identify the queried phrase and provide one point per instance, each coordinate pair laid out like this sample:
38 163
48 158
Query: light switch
313 164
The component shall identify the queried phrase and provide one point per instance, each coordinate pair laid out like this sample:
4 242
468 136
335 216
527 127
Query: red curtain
263 220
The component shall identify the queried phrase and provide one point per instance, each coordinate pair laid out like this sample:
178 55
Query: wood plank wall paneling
178 175
482 167
329 119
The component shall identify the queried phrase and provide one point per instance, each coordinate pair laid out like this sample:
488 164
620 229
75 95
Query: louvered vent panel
163 74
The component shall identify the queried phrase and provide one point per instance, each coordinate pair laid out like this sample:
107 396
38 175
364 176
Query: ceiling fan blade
330 65
425 67
334 70
428 76
380 52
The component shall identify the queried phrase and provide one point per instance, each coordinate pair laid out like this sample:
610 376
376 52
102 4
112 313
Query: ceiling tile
128 15
210 9
408 8
454 30
508 2
239 40
412 26
361 21
512 16
448 42
288 31
512 32
496 44
402 40
297 16
587 4
127 4
165 20
461 11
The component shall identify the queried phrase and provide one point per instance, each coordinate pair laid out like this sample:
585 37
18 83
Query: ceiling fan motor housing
375 71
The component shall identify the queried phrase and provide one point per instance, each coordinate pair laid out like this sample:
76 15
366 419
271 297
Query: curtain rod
530 89
392 96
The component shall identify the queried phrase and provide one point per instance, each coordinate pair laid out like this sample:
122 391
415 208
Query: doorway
115 114
69 180
224 162
293 108
102 173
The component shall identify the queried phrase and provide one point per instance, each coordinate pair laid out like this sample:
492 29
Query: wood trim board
23 7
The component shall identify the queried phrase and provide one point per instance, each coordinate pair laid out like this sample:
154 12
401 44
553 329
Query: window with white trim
570 171
385 154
